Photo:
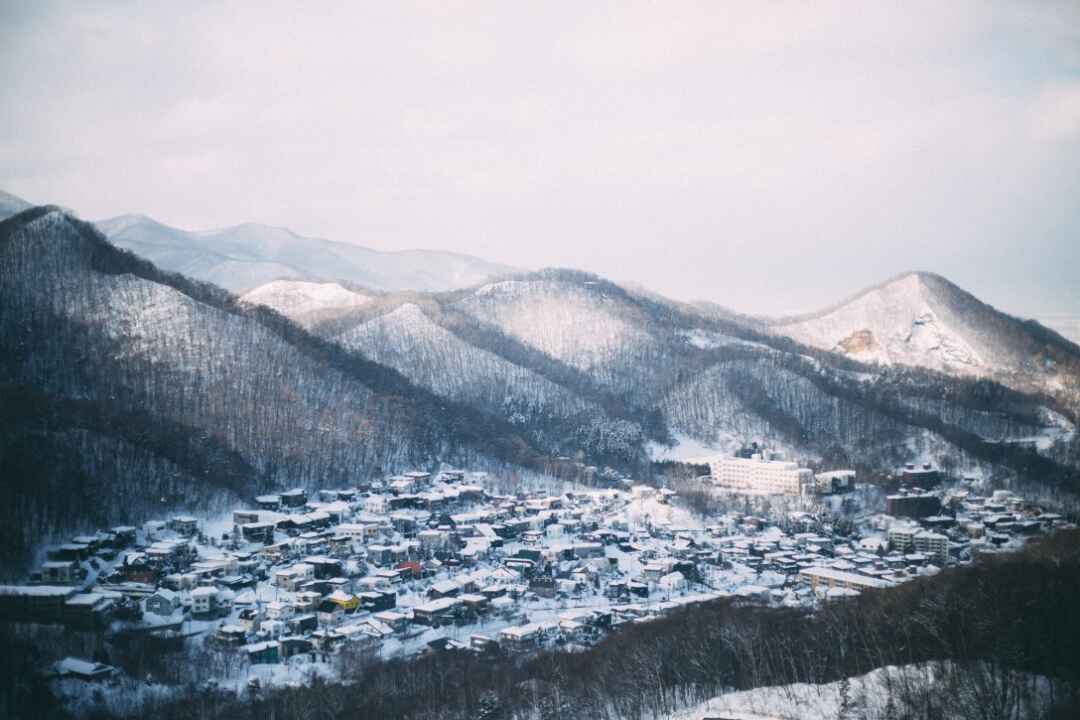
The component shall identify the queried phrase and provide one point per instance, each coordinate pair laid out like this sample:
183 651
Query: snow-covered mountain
407 340
923 320
661 370
305 301
246 256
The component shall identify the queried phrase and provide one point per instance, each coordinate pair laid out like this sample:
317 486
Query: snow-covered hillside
433 357
923 320
575 322
130 371
902 321
300 299
930 690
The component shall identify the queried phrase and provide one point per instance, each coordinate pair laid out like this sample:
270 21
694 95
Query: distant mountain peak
245 256
923 319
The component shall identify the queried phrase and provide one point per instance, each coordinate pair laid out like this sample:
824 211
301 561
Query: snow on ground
869 693
709 340
295 297
690 449
649 510
685 448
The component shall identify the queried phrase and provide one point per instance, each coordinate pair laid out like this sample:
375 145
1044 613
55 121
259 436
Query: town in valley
295 584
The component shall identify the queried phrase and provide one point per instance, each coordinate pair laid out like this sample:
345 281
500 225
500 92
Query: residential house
163 602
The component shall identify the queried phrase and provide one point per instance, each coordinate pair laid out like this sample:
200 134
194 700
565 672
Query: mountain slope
923 320
305 301
667 368
434 357
246 256
85 322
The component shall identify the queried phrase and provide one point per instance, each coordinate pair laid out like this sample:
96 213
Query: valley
254 492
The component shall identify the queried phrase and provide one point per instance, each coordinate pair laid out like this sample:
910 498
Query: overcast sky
768 157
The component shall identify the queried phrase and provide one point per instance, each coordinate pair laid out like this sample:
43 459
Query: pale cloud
1056 112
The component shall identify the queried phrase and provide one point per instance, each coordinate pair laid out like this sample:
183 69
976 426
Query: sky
770 157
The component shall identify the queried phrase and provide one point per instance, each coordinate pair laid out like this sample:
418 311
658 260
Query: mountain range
248 255
583 365
147 389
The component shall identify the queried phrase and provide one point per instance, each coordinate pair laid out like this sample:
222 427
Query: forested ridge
649 367
227 398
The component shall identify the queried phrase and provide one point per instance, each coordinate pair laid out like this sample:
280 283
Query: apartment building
759 475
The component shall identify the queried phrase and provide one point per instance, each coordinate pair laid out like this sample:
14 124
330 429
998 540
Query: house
375 628
344 600
294 645
444 589
302 624
89 609
589 550
396 620
184 525
291 578
69 551
123 536
61 572
521 637
437 612
306 601
410 569
257 532
278 610
295 498
268 502
203 601
245 517
482 643
268 652
376 601
163 602
324 567
231 635
475 603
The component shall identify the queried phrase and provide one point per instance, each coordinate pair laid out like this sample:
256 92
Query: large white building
760 476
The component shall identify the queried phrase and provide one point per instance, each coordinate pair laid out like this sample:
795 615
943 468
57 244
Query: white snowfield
297 297
900 322
870 695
